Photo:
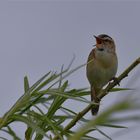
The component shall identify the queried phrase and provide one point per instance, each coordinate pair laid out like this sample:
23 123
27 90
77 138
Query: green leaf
47 81
28 133
36 84
53 126
26 84
64 86
66 96
119 89
31 124
68 110
105 135
113 126
12 133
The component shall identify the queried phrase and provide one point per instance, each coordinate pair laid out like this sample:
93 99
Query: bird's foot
115 79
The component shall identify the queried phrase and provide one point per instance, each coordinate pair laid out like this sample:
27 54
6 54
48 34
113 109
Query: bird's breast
101 70
106 60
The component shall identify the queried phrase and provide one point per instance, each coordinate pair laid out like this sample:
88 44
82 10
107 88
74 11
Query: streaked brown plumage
101 66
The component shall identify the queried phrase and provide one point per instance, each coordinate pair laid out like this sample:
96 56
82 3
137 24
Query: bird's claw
115 79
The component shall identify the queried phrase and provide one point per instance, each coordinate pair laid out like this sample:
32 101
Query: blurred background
37 36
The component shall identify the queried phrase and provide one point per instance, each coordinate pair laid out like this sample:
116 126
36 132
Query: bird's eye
100 49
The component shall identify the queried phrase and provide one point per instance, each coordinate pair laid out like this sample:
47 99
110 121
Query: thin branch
102 93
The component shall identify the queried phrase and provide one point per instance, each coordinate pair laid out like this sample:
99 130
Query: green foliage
42 109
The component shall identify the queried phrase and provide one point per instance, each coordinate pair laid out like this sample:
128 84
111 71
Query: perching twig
102 93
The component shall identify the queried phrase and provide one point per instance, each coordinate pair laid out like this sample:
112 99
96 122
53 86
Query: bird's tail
94 98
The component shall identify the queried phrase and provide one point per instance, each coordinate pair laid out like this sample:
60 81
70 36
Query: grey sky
39 36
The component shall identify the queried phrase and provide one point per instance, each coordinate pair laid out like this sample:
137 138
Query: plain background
37 36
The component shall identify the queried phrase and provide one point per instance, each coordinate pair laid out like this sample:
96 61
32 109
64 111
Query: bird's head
105 42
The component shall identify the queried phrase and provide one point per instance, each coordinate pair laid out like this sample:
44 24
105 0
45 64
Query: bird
101 67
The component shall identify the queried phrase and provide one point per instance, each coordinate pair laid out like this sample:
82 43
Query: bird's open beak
98 40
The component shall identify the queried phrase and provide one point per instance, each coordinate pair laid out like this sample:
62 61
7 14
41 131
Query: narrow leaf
26 84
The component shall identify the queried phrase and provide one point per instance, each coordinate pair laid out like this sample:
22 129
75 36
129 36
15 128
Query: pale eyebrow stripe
108 38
